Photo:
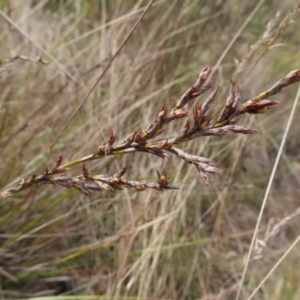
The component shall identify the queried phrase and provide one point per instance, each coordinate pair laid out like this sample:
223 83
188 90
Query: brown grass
188 243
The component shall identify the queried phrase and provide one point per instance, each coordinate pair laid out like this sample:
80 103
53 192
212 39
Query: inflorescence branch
198 124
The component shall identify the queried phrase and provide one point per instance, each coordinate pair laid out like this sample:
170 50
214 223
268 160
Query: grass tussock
90 81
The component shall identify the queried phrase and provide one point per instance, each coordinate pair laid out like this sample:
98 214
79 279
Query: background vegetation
184 244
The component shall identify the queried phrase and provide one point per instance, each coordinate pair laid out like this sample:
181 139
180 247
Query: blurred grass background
185 244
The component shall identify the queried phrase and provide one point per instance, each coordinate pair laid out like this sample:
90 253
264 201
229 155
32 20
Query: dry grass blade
104 71
8 19
292 77
37 59
292 246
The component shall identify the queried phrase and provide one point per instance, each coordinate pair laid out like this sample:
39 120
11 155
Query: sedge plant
151 140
